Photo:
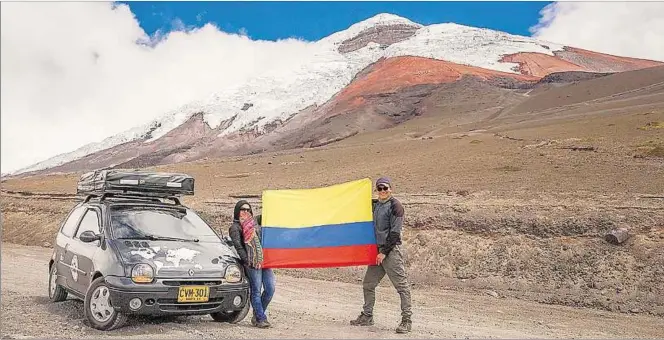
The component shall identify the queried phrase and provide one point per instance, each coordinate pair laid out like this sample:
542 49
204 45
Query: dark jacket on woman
235 232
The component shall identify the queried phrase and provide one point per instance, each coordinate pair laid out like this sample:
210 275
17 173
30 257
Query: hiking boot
363 320
262 324
405 326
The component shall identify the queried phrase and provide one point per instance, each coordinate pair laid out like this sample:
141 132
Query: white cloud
631 29
73 73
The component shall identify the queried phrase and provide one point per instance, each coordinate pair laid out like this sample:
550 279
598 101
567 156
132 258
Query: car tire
233 317
98 309
56 293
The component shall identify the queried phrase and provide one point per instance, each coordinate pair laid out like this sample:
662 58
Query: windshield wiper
161 238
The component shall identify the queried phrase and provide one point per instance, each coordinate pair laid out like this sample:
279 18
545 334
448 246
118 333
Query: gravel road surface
304 308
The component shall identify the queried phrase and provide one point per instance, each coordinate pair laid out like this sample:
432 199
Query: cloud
631 29
76 72
199 16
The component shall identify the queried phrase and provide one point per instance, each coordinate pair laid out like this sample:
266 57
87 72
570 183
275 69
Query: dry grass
652 125
657 151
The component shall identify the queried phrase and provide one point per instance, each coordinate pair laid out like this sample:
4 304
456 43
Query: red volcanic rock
390 75
539 64
599 62
575 59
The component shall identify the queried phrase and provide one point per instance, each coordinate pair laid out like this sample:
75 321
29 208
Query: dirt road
323 312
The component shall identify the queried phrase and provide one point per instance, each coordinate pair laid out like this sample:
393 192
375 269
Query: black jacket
388 223
235 232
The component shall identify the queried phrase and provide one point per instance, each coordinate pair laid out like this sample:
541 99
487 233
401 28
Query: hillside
378 73
504 190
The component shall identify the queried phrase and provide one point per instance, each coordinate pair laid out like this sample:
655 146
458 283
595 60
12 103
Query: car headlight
142 273
233 274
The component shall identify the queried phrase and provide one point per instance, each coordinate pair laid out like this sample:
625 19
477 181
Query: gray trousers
395 267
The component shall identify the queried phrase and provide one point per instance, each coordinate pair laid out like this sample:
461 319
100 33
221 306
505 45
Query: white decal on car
74 267
175 256
159 264
145 253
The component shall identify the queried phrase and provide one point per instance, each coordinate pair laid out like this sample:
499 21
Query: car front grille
177 283
173 305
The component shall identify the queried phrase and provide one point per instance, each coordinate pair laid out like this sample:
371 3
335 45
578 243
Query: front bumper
161 296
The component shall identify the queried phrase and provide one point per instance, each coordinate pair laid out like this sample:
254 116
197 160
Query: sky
76 72
316 20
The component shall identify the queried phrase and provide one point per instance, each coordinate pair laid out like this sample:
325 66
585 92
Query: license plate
194 294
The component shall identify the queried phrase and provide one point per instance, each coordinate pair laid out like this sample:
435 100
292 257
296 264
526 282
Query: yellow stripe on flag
300 208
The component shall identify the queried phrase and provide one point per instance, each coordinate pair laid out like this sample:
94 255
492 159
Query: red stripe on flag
361 255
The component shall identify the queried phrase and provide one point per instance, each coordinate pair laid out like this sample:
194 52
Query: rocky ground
321 313
517 202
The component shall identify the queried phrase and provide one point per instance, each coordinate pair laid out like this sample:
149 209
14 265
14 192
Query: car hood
176 259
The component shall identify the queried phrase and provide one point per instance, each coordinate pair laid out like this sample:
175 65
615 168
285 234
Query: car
130 247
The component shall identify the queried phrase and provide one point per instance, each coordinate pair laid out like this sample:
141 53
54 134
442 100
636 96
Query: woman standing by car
245 233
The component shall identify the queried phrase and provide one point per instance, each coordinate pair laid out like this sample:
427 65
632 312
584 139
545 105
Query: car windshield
160 223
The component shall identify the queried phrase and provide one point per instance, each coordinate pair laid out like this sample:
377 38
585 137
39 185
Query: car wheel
232 317
98 309
56 293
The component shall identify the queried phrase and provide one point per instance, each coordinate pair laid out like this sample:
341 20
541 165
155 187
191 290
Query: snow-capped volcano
326 67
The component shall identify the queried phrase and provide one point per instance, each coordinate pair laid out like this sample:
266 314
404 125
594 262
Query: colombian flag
315 228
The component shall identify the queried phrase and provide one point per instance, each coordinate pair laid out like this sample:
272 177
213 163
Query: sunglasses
245 209
382 188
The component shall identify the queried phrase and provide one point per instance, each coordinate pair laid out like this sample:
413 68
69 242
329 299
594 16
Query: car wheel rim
51 285
100 305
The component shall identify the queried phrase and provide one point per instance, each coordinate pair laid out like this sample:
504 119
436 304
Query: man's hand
380 258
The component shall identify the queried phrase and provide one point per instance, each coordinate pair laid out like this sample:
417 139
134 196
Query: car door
82 253
63 241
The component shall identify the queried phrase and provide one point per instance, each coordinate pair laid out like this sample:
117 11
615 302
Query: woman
245 233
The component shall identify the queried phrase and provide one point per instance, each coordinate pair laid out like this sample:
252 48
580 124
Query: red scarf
254 251
248 229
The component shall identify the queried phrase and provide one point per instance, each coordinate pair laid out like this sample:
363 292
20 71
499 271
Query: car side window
70 224
89 222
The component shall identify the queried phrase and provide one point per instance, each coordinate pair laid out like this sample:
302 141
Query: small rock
492 293
47 245
635 310
463 193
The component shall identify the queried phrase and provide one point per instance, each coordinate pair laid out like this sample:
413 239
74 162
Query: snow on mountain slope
321 73
127 136
276 96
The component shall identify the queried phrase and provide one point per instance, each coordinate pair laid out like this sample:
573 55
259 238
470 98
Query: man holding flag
388 220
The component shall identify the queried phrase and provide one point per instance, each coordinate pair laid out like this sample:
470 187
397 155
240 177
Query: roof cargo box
135 182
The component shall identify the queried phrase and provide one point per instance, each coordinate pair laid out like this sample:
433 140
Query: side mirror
89 236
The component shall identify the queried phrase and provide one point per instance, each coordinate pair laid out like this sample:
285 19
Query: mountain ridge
330 69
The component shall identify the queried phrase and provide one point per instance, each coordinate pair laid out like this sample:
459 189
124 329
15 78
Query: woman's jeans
261 278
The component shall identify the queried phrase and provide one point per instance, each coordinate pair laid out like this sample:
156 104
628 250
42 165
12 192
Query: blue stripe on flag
333 235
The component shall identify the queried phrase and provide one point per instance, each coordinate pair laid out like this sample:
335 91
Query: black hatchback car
130 247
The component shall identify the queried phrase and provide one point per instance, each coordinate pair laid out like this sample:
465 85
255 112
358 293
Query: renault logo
191 272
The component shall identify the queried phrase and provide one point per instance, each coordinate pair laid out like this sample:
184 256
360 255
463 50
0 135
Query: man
388 220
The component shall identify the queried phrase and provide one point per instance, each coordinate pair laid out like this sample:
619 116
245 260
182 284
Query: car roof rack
134 184
131 196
